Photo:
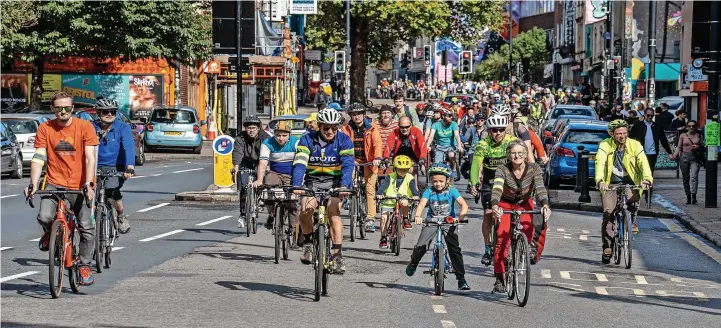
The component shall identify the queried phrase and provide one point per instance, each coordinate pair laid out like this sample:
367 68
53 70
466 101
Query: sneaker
370 226
486 260
338 265
463 285
607 254
407 224
346 205
534 255
634 228
241 222
499 287
411 269
123 224
44 243
383 243
269 223
307 256
86 275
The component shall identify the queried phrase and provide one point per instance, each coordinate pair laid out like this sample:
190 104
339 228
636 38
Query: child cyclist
442 198
397 182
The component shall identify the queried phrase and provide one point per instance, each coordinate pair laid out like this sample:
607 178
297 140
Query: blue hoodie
117 148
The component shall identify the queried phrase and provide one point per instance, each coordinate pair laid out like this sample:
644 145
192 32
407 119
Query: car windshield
22 126
571 111
585 137
297 125
172 116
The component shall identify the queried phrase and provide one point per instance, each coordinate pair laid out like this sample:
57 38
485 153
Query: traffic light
617 62
427 55
466 62
339 63
444 57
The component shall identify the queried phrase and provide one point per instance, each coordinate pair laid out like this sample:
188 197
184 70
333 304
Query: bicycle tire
319 260
617 241
522 276
362 217
326 273
353 219
277 231
73 271
287 233
249 197
628 232
439 271
56 252
398 235
100 237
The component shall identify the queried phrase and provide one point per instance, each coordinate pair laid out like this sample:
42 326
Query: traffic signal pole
238 73
713 105
651 88
347 55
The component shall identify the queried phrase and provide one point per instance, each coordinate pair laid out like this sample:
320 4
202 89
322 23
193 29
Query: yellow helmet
402 162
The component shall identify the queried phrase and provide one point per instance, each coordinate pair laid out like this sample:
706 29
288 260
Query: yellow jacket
634 161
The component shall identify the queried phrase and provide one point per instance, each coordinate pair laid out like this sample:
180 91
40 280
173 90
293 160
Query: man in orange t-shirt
67 145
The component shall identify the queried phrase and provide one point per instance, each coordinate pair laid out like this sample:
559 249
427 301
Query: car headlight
7 152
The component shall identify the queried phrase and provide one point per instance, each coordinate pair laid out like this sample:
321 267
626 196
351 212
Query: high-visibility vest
391 191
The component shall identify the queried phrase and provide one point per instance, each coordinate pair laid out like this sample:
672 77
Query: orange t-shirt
65 147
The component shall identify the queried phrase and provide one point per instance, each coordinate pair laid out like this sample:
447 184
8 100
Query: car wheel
18 172
140 158
197 150
148 148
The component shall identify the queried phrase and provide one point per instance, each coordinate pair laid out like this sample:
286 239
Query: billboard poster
662 161
52 83
14 90
86 88
596 11
145 92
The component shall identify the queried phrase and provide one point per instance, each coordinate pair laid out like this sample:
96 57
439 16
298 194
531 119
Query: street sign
222 161
712 133
695 73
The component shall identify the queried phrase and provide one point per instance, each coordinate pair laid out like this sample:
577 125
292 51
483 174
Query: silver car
25 126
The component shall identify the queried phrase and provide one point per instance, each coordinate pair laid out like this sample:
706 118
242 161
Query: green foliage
530 48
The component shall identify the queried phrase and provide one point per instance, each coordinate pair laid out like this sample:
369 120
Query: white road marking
7 196
155 175
545 273
162 235
604 290
641 280
598 276
585 231
5 248
153 207
439 309
699 295
583 237
601 291
561 230
601 277
568 286
181 171
19 275
565 275
117 248
701 246
447 324
36 239
214 220
566 237
436 297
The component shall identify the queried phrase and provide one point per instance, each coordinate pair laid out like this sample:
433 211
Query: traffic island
211 195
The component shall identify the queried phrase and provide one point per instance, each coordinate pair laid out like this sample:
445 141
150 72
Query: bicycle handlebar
445 220
623 186
331 192
398 197
29 200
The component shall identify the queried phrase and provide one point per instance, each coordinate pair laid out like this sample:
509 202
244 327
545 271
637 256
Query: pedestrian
690 147
661 119
665 113
679 123
648 133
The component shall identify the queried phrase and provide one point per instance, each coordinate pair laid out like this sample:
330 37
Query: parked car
461 98
78 112
559 110
12 157
563 163
674 103
137 136
25 127
173 127
298 124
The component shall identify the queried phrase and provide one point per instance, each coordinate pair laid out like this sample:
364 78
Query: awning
664 72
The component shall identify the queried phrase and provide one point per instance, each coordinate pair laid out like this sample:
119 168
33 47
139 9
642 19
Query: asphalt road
187 265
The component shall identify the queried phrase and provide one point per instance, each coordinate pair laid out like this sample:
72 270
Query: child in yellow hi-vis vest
399 182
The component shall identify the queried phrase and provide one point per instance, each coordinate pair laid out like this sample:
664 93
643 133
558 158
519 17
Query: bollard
578 169
585 196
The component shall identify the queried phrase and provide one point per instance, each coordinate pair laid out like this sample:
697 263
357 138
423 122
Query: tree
378 26
37 32
530 48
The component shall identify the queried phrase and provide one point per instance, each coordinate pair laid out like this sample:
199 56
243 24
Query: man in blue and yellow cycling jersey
324 160
619 159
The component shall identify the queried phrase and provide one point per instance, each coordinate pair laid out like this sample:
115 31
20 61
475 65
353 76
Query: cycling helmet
615 124
445 111
286 126
514 108
471 119
497 121
454 100
334 105
402 162
385 108
329 116
440 168
421 106
107 104
252 119
429 113
481 117
502 110
356 108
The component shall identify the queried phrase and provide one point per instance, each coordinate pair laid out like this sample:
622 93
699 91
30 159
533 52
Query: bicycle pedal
428 272
452 271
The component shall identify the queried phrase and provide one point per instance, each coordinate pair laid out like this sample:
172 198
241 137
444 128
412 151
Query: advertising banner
663 162
145 92
14 90
52 83
596 11
86 88
304 7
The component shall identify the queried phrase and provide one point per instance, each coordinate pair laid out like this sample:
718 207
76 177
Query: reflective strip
303 149
301 158
40 156
347 152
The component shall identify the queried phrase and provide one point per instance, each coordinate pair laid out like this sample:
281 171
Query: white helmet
329 116
501 110
496 121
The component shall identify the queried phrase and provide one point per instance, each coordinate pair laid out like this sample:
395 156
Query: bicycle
624 229
249 214
64 244
517 277
441 265
322 260
394 224
358 203
275 198
106 225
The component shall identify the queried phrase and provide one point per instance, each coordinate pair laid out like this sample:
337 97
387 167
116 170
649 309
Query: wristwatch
89 184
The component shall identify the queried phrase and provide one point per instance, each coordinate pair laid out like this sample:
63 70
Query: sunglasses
405 127
518 153
496 130
448 115
649 115
107 112
329 127
691 126
59 109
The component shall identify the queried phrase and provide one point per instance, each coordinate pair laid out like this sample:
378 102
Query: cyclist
435 116
619 159
490 153
67 145
515 127
441 198
276 154
324 160
386 123
401 109
448 140
367 147
312 123
246 153
421 112
397 182
514 187
406 140
115 153
463 122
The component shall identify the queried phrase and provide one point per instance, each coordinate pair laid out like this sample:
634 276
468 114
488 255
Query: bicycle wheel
319 260
439 270
352 213
287 233
522 270
508 275
617 242
249 198
56 257
362 217
628 236
100 237
398 234
278 231
73 271
326 274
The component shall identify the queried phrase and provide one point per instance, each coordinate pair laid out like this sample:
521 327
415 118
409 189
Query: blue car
173 127
563 162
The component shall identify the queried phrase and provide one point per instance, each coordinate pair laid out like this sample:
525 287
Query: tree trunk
36 88
358 42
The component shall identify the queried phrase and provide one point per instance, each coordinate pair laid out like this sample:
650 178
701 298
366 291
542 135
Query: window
22 126
589 137
171 115
571 111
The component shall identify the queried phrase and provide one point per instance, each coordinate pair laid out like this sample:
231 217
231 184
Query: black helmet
356 107
250 120
481 116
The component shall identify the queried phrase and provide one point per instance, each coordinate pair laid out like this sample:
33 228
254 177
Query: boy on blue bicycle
442 197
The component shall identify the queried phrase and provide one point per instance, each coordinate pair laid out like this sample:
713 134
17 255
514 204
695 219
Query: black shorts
113 185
